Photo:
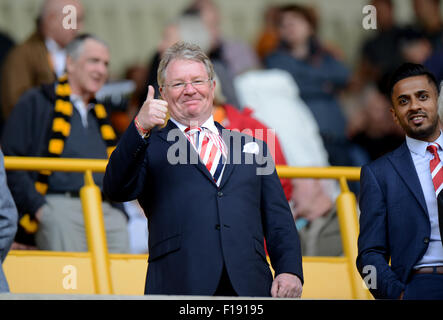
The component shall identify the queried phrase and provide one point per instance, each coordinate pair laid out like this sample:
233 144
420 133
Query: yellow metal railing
346 211
90 196
71 165
91 200
95 230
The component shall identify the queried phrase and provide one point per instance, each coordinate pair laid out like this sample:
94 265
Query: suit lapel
163 132
402 162
229 165
184 145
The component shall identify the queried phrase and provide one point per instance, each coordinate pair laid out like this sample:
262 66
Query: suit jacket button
220 194
426 240
217 227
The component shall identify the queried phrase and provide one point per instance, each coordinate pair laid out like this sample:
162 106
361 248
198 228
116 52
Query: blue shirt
421 157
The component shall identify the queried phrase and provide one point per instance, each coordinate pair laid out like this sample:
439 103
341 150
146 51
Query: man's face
415 107
189 103
89 72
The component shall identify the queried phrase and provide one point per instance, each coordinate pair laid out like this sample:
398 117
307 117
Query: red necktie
437 179
436 168
210 148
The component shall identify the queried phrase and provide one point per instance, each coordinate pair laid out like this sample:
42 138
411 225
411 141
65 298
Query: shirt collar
77 101
210 124
419 147
82 109
53 46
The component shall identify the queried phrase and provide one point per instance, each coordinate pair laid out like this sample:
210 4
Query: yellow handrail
99 165
91 202
95 231
349 173
346 210
55 164
348 221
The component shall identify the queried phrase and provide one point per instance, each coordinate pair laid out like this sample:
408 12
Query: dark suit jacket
394 222
8 222
194 226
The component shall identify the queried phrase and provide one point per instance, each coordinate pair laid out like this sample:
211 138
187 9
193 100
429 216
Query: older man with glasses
208 200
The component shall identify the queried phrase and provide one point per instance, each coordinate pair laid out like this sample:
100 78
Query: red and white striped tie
436 168
210 148
437 180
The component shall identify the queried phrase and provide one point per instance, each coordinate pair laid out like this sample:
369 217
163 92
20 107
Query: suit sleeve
126 169
282 240
373 241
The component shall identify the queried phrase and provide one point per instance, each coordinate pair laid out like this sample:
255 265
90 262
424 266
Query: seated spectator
318 74
274 97
42 57
8 222
63 120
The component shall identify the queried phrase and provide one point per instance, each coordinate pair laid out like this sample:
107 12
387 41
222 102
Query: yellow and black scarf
60 130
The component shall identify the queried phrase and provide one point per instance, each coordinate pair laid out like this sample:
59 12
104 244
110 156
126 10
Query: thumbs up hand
153 112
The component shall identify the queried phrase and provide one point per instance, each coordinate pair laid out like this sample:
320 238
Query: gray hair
75 47
186 51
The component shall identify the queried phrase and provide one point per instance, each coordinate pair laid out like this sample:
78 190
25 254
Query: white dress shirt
58 56
81 108
421 158
209 124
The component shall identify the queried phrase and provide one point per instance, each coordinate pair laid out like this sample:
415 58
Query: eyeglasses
181 85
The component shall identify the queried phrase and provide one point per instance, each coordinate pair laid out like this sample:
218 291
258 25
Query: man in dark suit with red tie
211 195
400 249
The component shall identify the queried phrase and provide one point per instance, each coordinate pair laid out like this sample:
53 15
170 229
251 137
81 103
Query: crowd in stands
323 110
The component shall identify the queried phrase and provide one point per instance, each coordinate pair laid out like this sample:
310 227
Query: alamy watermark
370 19
242 148
70 19
69 281
370 278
